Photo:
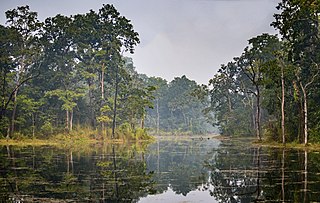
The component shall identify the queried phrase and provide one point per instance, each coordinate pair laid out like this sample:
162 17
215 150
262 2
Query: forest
79 123
69 74
272 89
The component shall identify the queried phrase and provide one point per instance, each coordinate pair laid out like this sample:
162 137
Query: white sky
178 37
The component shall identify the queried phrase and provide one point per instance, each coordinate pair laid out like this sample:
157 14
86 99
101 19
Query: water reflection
110 174
180 164
190 170
247 174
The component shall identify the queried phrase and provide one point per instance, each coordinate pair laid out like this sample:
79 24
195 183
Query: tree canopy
272 88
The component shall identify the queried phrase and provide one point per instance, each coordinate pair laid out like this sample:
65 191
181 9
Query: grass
271 144
85 137
291 145
26 142
79 137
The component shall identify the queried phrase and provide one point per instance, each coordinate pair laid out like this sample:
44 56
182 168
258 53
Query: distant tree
177 109
161 86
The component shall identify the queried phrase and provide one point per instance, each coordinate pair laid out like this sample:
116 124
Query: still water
168 170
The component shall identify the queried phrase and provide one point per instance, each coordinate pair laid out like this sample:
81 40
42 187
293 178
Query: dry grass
27 142
79 137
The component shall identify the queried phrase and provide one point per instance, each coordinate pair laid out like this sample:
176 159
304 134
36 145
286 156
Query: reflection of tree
236 179
179 164
246 174
184 178
126 179
17 175
40 174
237 173
287 177
305 189
282 175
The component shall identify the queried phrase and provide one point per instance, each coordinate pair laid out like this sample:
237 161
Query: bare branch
313 77
17 87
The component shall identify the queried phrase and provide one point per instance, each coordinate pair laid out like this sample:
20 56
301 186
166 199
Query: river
169 170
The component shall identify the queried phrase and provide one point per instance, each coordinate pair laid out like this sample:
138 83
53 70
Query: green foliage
47 128
267 67
141 134
71 80
125 129
72 71
176 107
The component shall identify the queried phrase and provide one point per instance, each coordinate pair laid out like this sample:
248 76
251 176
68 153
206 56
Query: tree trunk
115 104
184 119
71 161
67 120
158 156
258 114
21 70
12 123
282 106
102 82
3 107
305 110
68 163
301 121
158 117
33 125
305 102
92 116
299 104
142 122
71 120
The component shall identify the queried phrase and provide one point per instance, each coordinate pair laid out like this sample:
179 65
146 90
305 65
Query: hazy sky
178 37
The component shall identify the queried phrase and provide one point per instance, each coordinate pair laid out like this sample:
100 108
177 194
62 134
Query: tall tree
119 37
60 48
9 41
25 22
298 23
260 50
231 105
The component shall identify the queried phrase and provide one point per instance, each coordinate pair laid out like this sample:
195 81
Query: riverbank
64 140
80 136
291 145
269 144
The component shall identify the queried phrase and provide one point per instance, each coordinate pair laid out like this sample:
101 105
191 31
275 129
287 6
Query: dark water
188 170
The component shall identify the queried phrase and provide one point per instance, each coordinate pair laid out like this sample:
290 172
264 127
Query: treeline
68 73
273 88
176 108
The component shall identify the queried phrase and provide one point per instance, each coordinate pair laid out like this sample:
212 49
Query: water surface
168 170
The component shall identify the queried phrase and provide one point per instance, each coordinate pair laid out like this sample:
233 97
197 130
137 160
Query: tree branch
17 87
313 77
